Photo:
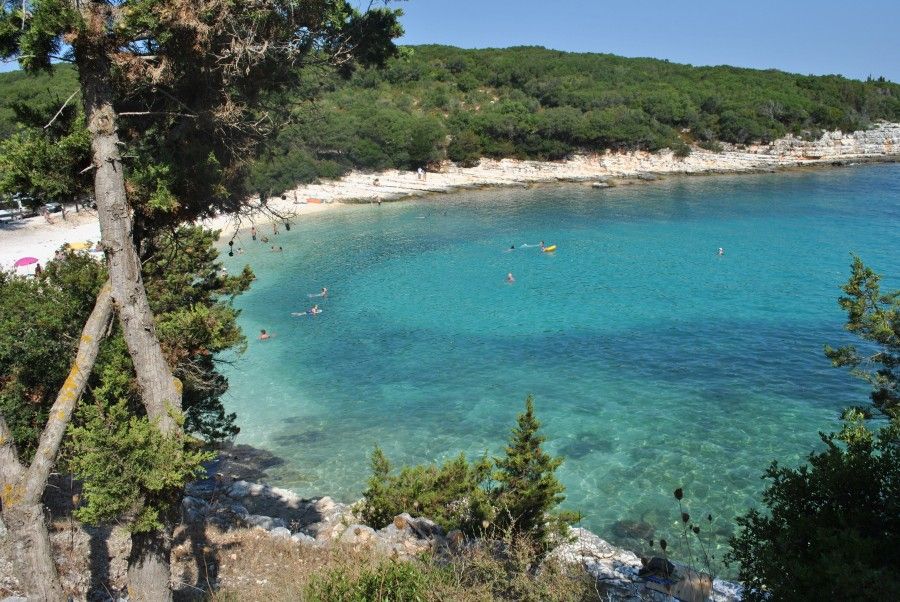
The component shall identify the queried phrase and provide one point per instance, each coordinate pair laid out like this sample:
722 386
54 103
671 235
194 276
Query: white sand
36 238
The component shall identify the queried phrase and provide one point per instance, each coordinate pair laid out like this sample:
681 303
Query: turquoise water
654 363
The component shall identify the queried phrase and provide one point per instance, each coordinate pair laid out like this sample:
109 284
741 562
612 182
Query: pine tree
528 490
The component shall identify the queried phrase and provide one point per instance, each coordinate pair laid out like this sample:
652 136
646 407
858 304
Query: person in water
253 232
721 251
324 292
314 310
263 335
510 279
542 245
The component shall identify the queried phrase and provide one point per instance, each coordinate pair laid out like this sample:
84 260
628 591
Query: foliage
461 495
113 447
528 489
191 298
832 526
20 90
129 468
186 146
43 166
875 317
476 573
435 101
40 325
388 581
40 322
453 495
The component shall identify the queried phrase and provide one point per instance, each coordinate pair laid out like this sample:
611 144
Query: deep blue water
654 362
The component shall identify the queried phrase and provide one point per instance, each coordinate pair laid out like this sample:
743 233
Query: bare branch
65 104
143 113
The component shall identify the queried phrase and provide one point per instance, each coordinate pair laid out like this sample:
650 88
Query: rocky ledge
321 521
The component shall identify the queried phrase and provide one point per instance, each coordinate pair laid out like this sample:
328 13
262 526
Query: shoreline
35 238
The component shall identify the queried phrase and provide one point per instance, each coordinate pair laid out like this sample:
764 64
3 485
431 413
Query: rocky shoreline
319 522
879 144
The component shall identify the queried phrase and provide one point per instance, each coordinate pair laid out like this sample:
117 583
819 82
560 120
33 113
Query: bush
459 494
528 490
681 149
712 146
453 495
388 581
465 149
832 526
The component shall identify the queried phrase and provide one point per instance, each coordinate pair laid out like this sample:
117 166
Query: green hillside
438 102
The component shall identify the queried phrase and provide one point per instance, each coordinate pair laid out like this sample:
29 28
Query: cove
654 362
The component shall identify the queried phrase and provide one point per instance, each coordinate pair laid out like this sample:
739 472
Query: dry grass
251 566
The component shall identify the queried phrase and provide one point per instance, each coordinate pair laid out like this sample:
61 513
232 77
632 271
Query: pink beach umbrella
25 261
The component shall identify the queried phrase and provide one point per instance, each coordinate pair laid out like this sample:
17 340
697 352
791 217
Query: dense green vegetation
830 527
112 446
514 496
437 102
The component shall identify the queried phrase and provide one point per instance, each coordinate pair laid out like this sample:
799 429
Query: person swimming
323 293
314 310
510 279
720 252
263 335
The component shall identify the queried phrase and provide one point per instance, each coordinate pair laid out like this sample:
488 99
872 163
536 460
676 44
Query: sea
655 362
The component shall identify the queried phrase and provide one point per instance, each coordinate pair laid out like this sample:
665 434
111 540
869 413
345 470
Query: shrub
681 149
453 494
458 494
832 526
712 146
388 581
528 490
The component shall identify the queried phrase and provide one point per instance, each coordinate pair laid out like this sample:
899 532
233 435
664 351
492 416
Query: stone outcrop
880 143
619 571
317 521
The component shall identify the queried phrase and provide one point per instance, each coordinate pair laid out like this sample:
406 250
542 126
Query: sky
852 38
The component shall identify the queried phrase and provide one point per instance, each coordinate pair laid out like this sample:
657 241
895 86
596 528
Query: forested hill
437 101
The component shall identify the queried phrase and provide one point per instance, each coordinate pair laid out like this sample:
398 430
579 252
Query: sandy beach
34 237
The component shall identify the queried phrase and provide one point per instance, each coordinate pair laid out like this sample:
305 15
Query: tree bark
22 488
32 552
148 572
160 391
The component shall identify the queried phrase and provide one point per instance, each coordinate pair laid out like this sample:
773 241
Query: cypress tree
528 488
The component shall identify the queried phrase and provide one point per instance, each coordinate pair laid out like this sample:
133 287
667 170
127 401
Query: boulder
263 522
358 535
303 538
408 536
281 532
193 509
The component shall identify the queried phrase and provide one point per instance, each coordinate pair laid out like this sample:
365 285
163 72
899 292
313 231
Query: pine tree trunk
160 392
21 488
32 554
149 572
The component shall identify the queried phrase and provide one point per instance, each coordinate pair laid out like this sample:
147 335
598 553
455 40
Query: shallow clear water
654 363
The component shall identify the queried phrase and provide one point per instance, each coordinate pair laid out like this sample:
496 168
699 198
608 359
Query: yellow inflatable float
549 249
